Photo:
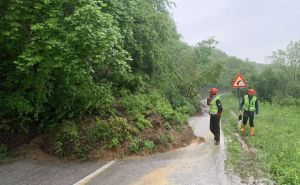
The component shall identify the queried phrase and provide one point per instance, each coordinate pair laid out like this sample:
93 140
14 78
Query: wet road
33 172
195 164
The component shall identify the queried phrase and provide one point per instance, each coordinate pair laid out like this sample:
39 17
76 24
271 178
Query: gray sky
244 28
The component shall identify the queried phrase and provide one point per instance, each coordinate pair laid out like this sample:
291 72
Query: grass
241 162
229 127
276 142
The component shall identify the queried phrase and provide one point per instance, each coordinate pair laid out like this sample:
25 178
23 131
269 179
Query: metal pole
238 91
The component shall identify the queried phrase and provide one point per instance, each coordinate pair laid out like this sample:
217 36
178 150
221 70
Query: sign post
237 83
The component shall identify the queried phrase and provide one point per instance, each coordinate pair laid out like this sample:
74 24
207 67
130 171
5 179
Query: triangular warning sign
239 81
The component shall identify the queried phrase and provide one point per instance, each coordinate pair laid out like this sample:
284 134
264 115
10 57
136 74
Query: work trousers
250 115
214 126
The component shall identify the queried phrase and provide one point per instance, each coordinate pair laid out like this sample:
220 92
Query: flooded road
198 163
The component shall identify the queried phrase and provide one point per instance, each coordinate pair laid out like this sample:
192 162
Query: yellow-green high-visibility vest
213 109
249 106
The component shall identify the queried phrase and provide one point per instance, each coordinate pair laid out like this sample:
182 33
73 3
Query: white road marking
94 174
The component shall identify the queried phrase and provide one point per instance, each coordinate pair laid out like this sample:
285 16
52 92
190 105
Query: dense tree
67 60
288 60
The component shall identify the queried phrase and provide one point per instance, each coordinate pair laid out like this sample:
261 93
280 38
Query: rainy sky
244 28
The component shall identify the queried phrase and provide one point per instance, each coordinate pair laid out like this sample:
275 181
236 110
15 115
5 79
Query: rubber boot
252 133
243 128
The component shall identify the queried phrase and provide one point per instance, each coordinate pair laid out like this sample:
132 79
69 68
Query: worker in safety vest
249 105
215 111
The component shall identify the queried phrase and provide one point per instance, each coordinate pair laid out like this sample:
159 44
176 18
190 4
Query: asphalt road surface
196 164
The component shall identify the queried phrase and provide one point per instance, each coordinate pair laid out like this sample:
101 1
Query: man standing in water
215 111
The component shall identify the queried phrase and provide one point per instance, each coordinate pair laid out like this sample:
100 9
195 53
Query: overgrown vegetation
109 74
95 73
4 153
243 162
277 85
278 143
275 143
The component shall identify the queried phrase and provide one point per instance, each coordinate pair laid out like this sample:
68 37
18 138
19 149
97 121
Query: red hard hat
251 92
213 90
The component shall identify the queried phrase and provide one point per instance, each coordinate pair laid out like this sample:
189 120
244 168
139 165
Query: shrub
134 104
187 109
286 101
154 103
136 146
149 145
166 138
111 132
4 153
66 139
167 126
142 123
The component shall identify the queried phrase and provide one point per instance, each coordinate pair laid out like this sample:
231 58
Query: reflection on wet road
195 164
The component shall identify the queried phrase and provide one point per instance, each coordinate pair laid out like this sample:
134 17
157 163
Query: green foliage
187 109
231 66
119 61
287 101
229 126
135 104
166 138
149 145
161 105
277 139
66 139
4 153
78 140
142 123
136 146
167 126
65 49
188 71
112 132
152 103
266 84
288 60
281 78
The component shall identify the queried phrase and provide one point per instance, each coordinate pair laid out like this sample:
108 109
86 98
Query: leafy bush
78 58
166 138
66 139
4 153
167 126
111 132
136 146
286 101
186 109
149 145
135 104
161 105
142 123
64 68
155 103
